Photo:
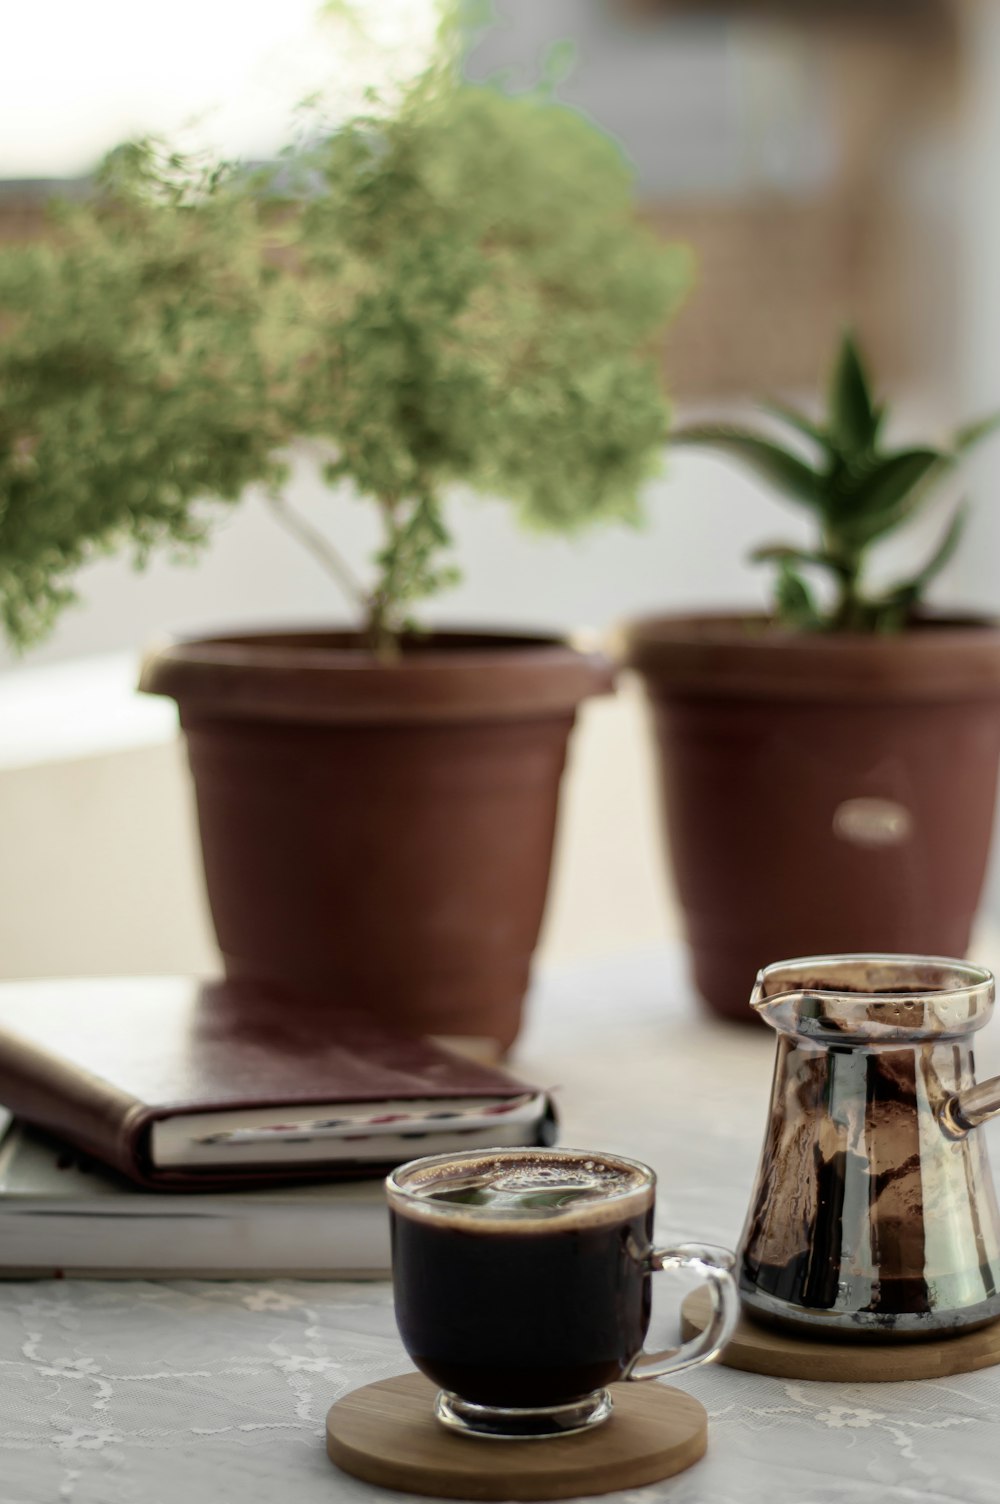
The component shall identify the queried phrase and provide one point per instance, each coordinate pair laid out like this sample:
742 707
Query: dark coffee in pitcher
523 1280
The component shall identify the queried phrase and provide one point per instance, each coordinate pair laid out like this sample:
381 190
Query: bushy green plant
482 307
453 290
137 377
857 489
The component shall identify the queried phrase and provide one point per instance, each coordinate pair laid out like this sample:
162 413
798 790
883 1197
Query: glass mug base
507 1424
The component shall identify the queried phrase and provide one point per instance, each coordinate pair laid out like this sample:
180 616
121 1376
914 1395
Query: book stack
159 1127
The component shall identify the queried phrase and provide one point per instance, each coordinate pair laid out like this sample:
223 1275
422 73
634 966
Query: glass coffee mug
522 1285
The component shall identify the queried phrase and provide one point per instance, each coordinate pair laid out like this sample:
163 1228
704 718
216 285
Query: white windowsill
88 707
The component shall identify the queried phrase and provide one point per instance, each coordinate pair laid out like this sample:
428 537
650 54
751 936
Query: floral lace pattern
185 1392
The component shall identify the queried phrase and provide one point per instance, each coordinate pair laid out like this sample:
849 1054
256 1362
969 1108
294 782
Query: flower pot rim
947 656
326 675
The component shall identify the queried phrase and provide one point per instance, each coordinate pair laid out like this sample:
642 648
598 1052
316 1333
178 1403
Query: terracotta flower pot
380 834
821 793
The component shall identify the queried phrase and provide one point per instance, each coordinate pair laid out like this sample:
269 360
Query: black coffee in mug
522 1284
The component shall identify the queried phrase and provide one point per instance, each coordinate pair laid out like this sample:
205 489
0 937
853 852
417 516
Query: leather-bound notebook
185 1085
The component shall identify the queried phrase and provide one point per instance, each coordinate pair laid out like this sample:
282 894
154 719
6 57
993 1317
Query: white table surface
151 1393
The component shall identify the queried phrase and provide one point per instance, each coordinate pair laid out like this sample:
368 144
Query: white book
63 1214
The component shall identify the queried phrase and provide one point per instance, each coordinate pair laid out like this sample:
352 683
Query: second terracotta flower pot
821 793
380 834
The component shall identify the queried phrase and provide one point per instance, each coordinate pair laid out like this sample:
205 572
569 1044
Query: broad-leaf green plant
857 488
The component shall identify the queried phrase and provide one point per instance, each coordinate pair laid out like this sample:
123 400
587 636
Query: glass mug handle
715 1265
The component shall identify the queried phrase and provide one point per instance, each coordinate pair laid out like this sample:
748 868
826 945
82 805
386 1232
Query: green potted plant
453 290
135 376
828 774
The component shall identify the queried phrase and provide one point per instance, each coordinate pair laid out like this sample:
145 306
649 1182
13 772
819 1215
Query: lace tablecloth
197 1393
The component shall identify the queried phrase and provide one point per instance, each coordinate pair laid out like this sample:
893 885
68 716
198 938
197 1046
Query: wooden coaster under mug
760 1349
386 1434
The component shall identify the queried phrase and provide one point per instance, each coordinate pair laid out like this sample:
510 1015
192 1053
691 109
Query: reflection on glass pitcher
874 1212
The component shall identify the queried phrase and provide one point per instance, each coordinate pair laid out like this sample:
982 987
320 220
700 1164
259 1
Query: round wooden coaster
386 1434
759 1349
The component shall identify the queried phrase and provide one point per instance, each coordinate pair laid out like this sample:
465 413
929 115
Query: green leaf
879 414
945 551
894 610
797 420
888 493
558 63
910 591
781 469
973 433
794 603
782 553
853 417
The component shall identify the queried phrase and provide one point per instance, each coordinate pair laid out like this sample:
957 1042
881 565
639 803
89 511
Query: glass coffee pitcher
874 1212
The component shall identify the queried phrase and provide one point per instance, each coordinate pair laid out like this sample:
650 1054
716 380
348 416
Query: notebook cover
97 1061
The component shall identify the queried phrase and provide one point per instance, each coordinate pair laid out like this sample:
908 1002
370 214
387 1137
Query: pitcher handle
715 1265
965 1110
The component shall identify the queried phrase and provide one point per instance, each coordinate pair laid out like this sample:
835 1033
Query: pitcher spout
874 999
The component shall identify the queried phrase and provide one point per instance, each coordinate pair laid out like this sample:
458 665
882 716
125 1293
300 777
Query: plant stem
382 631
321 549
848 614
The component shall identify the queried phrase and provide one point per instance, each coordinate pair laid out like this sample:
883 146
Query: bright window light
76 78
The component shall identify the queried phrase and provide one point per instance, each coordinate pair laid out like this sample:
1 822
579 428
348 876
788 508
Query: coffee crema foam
528 1191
